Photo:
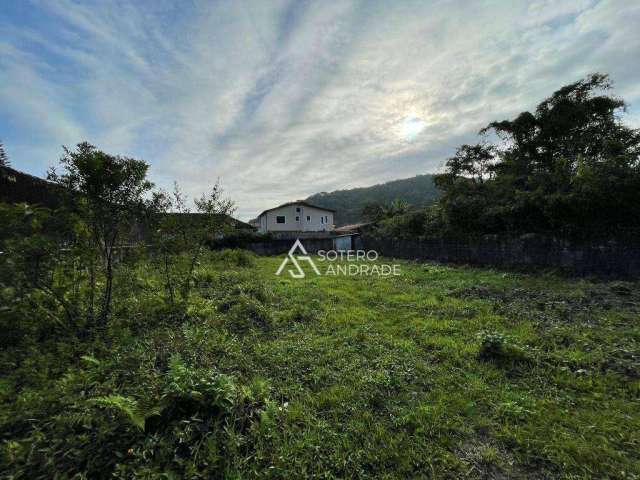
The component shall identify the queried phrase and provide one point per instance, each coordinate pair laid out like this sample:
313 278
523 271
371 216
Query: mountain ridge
418 191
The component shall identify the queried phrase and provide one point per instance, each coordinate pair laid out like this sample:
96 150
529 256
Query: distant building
298 216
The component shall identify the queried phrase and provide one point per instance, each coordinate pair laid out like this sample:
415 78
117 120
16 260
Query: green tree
569 168
105 194
397 207
372 212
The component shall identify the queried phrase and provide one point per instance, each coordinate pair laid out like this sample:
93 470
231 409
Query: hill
417 191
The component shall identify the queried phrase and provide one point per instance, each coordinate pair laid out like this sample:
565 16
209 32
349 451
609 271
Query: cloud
284 99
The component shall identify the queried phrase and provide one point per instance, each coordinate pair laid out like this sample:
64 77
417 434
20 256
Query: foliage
125 405
429 222
38 265
188 388
105 195
181 236
372 212
375 212
355 377
570 168
497 346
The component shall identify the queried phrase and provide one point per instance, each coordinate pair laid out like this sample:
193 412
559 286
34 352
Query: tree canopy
570 168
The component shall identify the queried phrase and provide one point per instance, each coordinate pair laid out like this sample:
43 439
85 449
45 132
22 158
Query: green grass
441 371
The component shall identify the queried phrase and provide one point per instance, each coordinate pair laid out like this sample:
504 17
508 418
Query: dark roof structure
20 187
297 202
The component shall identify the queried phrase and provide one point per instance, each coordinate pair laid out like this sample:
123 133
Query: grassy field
439 372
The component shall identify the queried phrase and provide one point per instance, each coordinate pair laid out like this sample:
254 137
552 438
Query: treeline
569 169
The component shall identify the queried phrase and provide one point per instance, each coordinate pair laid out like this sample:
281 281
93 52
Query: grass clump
246 313
235 257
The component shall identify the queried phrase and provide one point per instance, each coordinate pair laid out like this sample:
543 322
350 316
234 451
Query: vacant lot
442 371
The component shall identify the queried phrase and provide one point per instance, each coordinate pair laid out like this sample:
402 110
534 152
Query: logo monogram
298 272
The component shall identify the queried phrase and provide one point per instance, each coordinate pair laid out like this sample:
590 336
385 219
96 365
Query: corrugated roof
352 227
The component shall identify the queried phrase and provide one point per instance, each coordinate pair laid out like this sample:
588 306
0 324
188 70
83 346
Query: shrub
236 257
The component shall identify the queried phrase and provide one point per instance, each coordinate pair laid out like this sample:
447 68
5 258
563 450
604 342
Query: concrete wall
296 221
282 246
526 252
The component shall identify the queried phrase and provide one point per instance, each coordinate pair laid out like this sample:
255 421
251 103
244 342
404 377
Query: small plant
193 390
497 346
126 406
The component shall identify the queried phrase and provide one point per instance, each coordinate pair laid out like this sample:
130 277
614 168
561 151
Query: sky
282 99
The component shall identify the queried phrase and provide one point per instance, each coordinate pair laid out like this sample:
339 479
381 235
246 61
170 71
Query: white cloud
284 99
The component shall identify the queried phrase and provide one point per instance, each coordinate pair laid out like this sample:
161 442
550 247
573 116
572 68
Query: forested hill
417 191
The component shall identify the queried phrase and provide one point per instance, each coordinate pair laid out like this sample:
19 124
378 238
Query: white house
296 216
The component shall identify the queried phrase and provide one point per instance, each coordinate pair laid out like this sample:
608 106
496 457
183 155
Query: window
297 209
326 219
308 218
321 219
280 219
297 219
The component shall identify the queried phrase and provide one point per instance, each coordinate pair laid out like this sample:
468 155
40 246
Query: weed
500 347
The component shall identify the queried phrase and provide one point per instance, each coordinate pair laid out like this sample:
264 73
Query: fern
128 407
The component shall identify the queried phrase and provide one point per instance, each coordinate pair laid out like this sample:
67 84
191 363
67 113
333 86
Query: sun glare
411 127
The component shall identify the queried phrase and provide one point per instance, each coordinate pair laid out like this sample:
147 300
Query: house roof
351 228
299 202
